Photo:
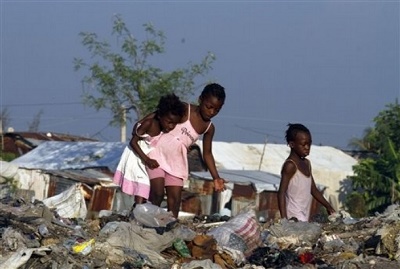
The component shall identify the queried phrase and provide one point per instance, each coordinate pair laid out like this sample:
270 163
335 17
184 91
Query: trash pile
34 235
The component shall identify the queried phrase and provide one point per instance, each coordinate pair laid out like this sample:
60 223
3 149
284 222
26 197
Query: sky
331 65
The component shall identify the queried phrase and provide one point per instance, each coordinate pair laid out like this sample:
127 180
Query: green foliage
365 142
377 179
7 156
12 185
387 125
355 205
127 79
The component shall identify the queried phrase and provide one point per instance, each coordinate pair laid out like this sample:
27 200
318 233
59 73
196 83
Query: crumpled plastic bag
70 203
17 259
241 232
343 216
116 237
151 215
201 264
20 257
184 233
295 233
332 243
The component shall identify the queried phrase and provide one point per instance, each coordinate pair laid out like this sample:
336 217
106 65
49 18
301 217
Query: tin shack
245 187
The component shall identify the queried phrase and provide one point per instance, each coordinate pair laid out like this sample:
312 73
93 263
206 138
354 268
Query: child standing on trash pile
297 186
171 150
131 173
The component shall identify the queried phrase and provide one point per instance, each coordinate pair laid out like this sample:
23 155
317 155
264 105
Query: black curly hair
214 89
170 103
293 130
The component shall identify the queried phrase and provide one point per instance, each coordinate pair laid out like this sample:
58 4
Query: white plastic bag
70 203
152 216
241 232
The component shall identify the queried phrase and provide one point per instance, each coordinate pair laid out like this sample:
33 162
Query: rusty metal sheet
202 187
247 191
102 198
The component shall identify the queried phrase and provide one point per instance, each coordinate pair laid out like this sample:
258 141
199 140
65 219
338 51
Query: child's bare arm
320 198
287 173
142 129
209 159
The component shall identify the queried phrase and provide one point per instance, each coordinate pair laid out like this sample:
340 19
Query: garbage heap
36 236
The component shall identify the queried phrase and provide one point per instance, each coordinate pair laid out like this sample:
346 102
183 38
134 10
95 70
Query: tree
4 119
363 143
4 122
34 124
387 125
377 178
127 80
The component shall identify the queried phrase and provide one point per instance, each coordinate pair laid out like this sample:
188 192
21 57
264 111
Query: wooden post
123 125
1 133
262 154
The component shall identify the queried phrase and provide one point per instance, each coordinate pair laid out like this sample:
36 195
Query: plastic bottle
43 230
83 248
182 248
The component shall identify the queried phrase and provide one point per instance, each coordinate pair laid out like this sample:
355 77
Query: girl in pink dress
297 186
171 149
131 174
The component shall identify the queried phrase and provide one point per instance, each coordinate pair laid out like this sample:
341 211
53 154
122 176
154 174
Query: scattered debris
35 236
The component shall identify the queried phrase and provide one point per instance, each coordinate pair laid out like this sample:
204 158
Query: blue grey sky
331 65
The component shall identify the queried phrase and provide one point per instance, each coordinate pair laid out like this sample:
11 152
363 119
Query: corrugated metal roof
330 166
90 176
260 179
55 155
49 136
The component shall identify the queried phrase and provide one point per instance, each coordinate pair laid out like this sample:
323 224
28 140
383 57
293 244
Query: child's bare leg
174 194
139 200
156 191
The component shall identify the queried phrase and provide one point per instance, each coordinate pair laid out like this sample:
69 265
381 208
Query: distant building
52 166
331 167
19 143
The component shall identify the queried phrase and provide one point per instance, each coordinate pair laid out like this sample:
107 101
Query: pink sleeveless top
298 196
171 149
